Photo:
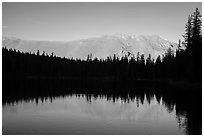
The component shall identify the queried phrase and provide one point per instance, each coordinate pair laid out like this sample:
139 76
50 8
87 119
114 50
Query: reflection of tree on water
182 121
188 109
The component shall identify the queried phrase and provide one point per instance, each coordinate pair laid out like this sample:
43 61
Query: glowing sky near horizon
71 21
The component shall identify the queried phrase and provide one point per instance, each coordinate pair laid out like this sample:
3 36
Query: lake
82 110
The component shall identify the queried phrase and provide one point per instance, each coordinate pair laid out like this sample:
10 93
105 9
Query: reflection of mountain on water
145 111
185 103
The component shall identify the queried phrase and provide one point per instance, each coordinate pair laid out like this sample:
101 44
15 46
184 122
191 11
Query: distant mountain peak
100 47
124 36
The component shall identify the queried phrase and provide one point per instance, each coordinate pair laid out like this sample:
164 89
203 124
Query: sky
71 21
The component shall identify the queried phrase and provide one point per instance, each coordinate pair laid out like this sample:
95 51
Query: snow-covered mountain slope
99 47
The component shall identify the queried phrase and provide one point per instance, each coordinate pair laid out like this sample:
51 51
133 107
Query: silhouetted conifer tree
196 50
188 33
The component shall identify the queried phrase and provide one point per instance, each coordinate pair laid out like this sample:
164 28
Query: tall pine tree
193 43
196 50
188 33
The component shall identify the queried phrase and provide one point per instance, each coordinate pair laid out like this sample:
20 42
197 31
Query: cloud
4 27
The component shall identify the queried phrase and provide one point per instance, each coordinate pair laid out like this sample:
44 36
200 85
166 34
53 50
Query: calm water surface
87 114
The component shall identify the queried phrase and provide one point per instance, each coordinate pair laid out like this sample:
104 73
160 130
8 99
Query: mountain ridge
99 47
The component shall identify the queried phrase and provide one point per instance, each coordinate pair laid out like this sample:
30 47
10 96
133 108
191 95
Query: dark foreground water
99 107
